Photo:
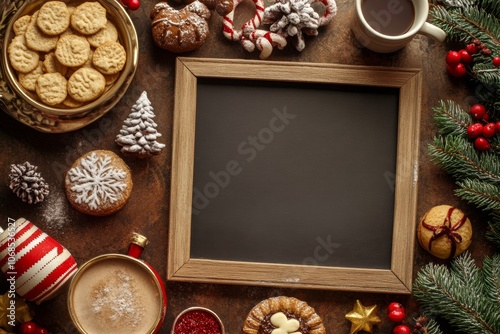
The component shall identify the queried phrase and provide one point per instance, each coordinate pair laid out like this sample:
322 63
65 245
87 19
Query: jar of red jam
197 320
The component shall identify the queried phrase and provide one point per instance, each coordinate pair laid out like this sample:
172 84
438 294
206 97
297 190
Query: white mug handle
433 32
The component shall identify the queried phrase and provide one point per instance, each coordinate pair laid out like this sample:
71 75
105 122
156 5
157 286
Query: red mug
36 264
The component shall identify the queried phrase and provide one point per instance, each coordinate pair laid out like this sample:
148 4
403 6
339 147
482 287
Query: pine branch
451 119
491 273
444 293
433 327
484 195
458 157
493 233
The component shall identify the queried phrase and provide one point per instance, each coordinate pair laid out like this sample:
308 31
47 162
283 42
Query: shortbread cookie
71 102
106 34
86 84
99 183
72 50
445 231
28 80
22 59
109 58
21 24
88 18
286 313
111 78
52 65
53 18
51 88
36 39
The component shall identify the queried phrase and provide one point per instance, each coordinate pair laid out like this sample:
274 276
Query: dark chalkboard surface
294 175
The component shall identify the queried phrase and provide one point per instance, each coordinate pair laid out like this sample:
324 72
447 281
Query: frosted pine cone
292 18
138 134
27 184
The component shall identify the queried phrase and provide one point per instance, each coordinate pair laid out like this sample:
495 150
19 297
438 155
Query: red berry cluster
396 313
482 132
32 328
456 61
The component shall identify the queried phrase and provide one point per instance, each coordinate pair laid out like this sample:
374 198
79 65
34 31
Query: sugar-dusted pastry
289 314
99 183
445 231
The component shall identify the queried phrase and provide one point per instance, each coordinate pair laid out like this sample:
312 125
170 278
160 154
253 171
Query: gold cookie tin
25 106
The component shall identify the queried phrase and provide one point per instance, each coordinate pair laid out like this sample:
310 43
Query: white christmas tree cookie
99 183
138 134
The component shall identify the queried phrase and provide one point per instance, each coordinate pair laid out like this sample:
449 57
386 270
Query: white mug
373 25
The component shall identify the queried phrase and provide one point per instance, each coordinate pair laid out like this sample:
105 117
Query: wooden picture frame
181 267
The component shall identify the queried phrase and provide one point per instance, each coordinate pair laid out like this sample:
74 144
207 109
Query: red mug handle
135 249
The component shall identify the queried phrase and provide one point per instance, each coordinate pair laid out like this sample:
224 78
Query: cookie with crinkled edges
21 57
86 84
53 18
261 319
88 18
36 39
109 58
28 80
51 88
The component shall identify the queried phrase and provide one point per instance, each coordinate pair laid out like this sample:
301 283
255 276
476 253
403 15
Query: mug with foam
389 25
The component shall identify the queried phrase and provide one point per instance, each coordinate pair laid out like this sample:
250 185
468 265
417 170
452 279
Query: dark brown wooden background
148 208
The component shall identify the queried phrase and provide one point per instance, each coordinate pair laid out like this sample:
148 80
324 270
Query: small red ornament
397 315
466 58
457 71
472 49
401 329
474 130
132 4
453 58
486 117
477 110
28 327
496 61
481 144
489 130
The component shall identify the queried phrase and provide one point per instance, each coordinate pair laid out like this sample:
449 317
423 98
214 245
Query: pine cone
27 184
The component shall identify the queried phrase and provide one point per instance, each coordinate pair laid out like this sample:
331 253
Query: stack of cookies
67 55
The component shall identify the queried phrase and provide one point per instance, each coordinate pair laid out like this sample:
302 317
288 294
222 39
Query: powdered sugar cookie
36 39
99 183
88 18
53 18
72 50
109 58
107 34
22 58
52 65
86 84
21 24
28 80
51 88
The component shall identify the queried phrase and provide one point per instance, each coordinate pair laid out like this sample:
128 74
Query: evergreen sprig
484 195
463 295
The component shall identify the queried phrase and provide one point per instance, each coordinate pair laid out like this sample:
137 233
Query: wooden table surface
147 211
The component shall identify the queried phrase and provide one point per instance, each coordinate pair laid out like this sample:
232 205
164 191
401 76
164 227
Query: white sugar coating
114 296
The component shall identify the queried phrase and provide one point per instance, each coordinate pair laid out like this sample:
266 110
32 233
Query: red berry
477 110
401 329
453 58
489 130
475 130
132 4
28 327
496 61
457 71
497 126
397 315
394 306
481 144
472 49
466 57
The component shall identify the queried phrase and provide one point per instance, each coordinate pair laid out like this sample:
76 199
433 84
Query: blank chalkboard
297 172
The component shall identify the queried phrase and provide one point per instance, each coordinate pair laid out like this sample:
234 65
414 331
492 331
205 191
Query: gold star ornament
362 317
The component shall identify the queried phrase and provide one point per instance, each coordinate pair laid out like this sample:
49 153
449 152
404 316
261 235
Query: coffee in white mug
389 17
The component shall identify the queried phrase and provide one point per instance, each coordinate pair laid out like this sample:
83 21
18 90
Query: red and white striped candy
41 265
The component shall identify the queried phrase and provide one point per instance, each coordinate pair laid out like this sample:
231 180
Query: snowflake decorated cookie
99 183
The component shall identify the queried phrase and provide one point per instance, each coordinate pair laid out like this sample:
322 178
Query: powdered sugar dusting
116 300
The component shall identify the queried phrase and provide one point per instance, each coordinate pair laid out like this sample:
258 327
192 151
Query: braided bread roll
284 304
